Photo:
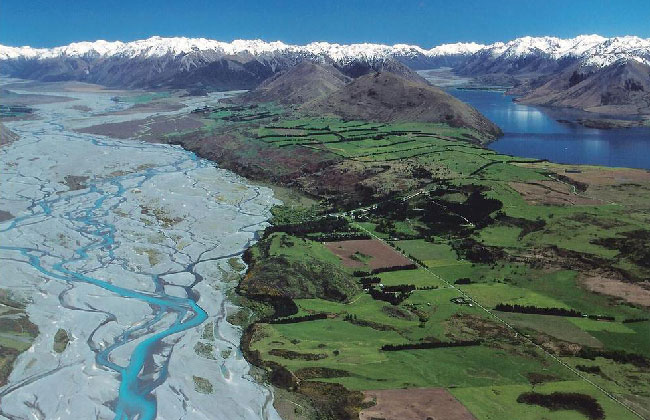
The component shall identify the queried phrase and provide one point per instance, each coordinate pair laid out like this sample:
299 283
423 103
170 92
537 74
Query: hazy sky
426 22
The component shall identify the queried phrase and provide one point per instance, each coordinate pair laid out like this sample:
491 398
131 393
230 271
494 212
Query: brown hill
297 85
6 135
358 68
621 88
388 97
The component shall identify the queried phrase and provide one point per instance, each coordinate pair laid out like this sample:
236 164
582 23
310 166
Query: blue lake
535 132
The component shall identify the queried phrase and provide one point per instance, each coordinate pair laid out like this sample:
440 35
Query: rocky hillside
297 85
619 88
6 135
387 97
356 68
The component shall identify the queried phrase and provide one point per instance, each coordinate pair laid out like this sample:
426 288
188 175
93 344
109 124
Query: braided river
126 246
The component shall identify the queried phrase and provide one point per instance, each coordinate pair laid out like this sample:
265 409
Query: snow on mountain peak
592 50
157 46
619 48
458 48
553 47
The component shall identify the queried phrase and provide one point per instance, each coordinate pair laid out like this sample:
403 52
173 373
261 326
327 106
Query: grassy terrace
345 348
361 141
143 98
16 333
14 111
500 229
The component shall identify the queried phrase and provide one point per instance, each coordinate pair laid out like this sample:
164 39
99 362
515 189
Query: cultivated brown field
415 404
635 293
551 193
595 175
368 253
609 176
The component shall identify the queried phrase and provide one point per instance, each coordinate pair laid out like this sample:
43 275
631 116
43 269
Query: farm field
368 253
511 276
414 403
345 345
497 402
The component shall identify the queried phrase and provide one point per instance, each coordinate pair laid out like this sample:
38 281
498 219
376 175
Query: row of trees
296 319
394 298
400 288
366 282
633 320
394 268
589 369
340 236
618 356
582 403
362 273
324 225
505 307
602 317
429 345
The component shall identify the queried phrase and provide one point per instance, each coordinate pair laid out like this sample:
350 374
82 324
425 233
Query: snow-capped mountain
621 88
184 62
596 49
555 48
158 47
530 56
615 49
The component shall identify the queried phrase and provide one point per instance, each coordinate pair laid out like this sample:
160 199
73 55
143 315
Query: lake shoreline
562 135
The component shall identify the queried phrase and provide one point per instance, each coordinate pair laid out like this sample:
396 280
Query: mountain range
528 62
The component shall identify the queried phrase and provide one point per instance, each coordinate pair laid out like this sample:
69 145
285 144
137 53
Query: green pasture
497 402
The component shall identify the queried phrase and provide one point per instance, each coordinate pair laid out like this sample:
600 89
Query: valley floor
406 255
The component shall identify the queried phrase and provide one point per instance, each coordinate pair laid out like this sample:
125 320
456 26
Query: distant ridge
589 49
244 64
198 62
159 46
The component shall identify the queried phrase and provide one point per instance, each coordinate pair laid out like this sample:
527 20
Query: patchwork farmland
516 277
